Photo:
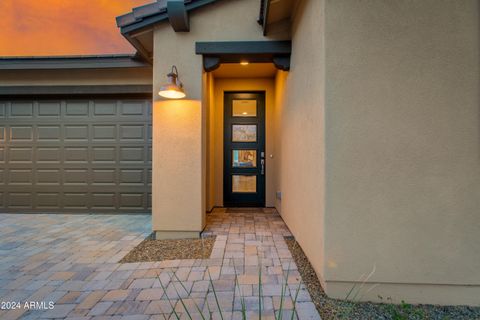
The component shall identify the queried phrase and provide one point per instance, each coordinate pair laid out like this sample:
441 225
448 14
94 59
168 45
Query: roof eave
143 24
72 62
141 51
129 31
150 21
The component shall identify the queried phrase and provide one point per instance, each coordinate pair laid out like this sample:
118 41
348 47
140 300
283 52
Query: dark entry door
244 150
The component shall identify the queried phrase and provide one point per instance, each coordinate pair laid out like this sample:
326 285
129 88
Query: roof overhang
276 13
72 62
19 92
137 26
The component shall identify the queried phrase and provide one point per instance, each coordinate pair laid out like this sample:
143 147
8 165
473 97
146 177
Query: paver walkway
71 261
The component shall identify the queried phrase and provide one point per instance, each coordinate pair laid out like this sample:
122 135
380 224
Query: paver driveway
71 261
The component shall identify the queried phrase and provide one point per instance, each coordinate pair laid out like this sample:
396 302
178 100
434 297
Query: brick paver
72 261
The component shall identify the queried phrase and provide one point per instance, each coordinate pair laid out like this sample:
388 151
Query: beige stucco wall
300 122
76 77
210 141
279 90
177 149
245 84
378 137
403 149
212 23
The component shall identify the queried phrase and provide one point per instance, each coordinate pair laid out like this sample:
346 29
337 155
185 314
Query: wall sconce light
173 89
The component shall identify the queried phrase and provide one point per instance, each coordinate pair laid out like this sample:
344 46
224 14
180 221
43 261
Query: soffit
252 70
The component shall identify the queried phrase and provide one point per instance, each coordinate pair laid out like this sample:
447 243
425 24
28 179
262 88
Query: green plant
242 298
172 305
355 294
215 295
404 311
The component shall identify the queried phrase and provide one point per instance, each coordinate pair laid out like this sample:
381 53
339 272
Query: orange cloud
63 27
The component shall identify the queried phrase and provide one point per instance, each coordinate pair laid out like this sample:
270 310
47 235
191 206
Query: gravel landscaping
159 250
338 309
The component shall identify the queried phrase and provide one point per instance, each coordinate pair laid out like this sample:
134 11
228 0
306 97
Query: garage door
75 156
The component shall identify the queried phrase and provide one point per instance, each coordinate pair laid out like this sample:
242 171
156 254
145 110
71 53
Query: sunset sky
63 27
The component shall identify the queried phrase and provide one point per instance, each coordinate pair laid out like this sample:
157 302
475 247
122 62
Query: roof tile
149 9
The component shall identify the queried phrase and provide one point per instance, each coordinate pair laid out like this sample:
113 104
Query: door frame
261 130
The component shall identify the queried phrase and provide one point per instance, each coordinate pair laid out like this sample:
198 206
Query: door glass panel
244 108
244 158
241 183
244 133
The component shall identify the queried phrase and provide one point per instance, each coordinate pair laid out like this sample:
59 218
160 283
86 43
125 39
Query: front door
244 150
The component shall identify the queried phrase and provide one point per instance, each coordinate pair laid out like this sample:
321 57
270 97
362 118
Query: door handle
262 162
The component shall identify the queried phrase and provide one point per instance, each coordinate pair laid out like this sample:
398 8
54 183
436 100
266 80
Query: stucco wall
403 148
210 142
222 21
76 77
379 140
300 119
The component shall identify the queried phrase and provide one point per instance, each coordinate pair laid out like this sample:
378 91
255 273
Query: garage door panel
104 155
75 109
75 155
20 155
149 177
20 200
132 154
20 177
21 133
76 133
21 110
49 109
132 200
129 108
149 132
47 200
132 177
75 177
76 200
104 200
48 133
48 155
105 108
149 154
104 132
48 177
131 132
104 176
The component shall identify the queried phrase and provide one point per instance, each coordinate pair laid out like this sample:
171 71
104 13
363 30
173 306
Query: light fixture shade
172 92
173 89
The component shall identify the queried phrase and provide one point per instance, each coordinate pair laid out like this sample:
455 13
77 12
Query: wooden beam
243 47
178 16
282 62
210 63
